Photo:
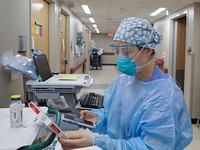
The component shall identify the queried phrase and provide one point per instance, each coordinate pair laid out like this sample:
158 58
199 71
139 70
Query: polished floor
102 78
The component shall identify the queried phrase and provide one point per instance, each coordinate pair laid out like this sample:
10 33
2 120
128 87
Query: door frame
174 32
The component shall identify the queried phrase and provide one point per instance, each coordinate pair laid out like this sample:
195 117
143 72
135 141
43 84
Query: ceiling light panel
86 9
92 20
94 25
159 10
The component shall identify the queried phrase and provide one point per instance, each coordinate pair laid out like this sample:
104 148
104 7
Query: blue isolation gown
143 115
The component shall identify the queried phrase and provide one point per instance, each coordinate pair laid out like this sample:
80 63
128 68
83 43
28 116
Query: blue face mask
126 65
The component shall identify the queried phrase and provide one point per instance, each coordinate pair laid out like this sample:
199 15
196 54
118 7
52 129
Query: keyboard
91 100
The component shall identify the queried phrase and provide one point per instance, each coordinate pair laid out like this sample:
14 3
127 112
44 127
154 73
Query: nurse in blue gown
143 107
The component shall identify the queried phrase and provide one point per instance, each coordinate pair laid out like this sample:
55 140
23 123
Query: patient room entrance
179 49
63 52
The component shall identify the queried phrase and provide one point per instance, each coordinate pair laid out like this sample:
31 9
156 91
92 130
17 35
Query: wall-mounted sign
37 28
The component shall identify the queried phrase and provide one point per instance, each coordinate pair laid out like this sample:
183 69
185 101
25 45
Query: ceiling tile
109 13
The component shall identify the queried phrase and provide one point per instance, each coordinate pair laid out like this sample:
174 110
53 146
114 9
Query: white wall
54 36
195 85
15 21
75 26
192 71
163 27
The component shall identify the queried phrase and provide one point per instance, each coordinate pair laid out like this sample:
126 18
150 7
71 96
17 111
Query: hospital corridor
127 71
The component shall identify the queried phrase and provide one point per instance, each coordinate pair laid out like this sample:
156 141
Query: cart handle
51 138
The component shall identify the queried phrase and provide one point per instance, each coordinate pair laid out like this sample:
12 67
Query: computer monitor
42 66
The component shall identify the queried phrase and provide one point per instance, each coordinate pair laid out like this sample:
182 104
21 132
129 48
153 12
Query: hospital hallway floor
102 78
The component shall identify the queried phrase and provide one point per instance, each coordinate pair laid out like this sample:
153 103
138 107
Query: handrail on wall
75 68
108 53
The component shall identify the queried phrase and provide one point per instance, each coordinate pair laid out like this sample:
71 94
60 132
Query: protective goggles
125 49
122 50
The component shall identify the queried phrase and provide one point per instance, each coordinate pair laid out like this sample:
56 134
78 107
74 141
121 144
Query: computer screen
42 66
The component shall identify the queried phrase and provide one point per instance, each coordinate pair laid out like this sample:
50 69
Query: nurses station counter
14 138
33 130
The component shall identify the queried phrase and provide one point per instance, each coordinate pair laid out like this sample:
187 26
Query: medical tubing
51 138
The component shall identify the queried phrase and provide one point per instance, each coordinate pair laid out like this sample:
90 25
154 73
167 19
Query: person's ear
148 51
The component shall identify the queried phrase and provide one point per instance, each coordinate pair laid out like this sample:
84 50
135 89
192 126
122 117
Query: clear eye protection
121 50
125 49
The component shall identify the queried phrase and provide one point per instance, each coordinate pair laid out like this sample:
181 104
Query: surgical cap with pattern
138 31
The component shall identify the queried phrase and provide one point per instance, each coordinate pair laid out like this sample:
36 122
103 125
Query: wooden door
40 25
180 51
63 43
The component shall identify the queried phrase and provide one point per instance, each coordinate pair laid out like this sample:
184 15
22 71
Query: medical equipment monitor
42 66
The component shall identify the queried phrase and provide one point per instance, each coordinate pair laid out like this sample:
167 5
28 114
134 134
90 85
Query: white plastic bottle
16 112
